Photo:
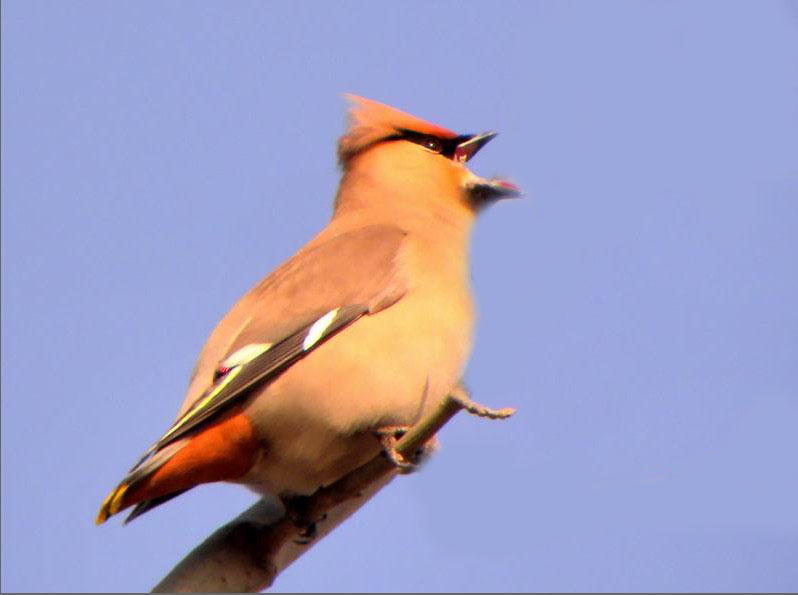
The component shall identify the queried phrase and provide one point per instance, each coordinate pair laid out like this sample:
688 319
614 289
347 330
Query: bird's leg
389 436
296 507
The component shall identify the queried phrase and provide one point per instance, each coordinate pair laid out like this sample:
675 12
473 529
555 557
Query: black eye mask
443 146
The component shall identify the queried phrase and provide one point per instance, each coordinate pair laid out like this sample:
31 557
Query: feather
147 505
372 121
264 364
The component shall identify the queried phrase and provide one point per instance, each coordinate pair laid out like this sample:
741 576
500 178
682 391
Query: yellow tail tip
111 505
102 516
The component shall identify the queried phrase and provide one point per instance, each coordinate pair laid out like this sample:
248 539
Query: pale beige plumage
398 244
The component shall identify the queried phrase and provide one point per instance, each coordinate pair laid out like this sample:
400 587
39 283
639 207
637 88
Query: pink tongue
506 184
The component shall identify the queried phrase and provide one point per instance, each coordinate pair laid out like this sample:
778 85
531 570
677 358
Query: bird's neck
422 208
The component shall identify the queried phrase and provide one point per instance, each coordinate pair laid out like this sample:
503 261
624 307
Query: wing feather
329 284
238 379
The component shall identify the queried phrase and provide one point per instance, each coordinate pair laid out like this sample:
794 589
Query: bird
348 342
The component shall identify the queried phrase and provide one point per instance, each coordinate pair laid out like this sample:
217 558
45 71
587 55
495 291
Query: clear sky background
639 307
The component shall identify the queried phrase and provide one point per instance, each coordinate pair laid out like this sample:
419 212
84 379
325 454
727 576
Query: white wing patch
245 355
251 364
230 368
202 403
317 329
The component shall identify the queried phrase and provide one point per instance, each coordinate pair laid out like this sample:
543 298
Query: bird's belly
387 369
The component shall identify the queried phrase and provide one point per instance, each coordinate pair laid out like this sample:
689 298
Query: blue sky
638 307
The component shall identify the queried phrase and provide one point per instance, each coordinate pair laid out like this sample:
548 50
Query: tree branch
248 553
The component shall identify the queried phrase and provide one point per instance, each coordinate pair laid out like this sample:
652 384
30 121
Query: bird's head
394 150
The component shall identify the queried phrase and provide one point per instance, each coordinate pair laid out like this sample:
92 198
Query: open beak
503 189
467 149
487 191
483 191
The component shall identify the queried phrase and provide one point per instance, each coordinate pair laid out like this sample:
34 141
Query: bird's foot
298 513
389 436
308 532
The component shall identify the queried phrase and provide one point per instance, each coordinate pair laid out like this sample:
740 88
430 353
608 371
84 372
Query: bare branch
248 553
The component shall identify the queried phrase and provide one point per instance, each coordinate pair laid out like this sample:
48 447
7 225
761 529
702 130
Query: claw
308 533
298 514
389 436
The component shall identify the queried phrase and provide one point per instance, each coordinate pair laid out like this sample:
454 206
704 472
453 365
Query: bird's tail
222 451
123 495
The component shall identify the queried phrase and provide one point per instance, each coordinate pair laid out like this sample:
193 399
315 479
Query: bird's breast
388 368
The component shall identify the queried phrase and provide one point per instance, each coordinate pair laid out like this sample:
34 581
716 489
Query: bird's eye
433 144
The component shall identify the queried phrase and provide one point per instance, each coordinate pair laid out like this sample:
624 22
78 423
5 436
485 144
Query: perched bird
363 330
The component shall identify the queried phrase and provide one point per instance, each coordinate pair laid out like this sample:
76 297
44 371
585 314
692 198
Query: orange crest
371 121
